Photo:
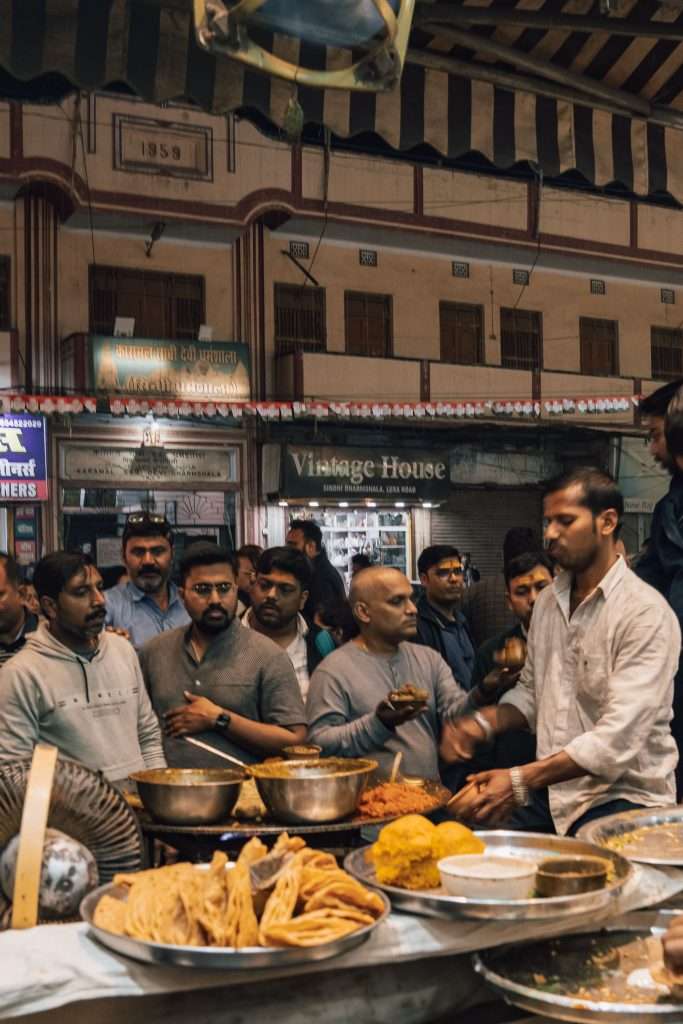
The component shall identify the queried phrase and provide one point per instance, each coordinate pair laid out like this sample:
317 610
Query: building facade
502 324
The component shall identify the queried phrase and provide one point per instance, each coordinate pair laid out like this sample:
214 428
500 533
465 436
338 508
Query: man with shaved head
349 709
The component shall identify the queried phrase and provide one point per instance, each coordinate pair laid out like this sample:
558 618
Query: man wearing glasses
228 687
149 603
440 623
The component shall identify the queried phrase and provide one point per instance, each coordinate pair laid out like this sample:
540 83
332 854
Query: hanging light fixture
380 28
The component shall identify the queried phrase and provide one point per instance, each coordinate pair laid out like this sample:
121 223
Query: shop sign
25 552
193 370
325 472
129 466
23 458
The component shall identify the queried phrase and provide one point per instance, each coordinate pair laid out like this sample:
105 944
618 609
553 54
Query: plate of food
652 835
285 906
448 871
605 977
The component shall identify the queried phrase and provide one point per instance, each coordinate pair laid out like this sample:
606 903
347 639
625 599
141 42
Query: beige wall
371 200
213 263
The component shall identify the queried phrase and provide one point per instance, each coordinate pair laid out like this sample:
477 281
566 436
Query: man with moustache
279 591
349 710
596 687
75 686
148 604
440 623
230 688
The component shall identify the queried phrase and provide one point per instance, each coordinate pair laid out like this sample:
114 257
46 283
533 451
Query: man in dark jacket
440 623
327 587
662 564
279 591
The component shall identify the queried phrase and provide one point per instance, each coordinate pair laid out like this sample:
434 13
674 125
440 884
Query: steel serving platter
601 977
653 835
211 957
528 845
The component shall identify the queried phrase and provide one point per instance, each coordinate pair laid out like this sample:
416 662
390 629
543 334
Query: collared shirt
297 649
598 685
29 625
130 608
242 671
349 684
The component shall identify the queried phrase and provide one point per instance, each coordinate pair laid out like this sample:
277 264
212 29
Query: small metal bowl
302 752
566 876
312 792
189 796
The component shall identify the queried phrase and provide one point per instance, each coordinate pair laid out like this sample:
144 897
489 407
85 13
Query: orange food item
396 798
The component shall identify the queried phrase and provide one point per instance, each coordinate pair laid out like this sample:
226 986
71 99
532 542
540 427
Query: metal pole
479 44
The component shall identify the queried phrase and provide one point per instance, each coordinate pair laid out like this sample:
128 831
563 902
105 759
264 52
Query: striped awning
547 82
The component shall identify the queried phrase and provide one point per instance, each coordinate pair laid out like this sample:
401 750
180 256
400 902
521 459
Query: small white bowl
481 876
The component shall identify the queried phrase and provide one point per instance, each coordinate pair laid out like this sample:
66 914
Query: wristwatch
222 723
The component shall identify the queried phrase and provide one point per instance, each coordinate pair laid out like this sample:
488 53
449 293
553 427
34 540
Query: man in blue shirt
149 603
440 623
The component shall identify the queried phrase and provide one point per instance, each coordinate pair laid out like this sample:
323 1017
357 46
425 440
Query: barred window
299 319
666 346
368 324
462 332
599 346
521 339
163 305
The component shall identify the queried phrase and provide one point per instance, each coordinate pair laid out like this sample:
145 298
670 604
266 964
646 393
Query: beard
150 581
270 616
215 620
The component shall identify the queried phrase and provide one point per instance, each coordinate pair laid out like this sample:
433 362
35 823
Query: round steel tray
560 978
536 847
268 826
661 845
210 956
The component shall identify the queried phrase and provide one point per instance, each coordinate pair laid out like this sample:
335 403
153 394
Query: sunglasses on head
138 518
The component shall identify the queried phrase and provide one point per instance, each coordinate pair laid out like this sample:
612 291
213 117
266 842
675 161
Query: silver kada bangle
520 790
483 724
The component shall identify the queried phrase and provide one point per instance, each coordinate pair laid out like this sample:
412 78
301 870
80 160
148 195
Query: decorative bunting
498 408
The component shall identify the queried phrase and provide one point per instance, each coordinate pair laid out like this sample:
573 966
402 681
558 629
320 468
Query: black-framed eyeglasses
205 590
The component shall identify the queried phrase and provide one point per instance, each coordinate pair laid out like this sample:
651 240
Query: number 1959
160 151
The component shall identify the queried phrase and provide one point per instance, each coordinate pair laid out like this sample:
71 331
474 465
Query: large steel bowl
189 796
312 792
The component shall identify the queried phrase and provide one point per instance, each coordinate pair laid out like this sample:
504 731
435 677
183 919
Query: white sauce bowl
484 876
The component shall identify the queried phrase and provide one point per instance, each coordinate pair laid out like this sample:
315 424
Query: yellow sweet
407 850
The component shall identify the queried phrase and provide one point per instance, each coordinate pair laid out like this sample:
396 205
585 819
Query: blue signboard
23 458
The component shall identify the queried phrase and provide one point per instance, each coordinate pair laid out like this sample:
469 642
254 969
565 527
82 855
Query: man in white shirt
278 592
596 688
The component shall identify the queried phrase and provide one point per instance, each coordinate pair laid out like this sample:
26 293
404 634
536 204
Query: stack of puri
292 896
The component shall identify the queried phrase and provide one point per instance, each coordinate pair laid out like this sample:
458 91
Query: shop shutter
477 521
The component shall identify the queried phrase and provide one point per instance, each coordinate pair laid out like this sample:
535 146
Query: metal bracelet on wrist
520 790
485 726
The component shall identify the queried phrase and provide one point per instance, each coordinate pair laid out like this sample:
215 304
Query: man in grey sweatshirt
74 686
348 708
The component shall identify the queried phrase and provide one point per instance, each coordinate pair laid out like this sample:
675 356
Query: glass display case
381 534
